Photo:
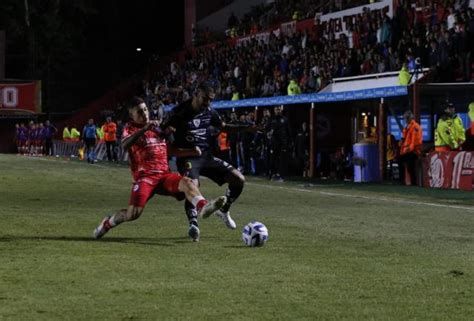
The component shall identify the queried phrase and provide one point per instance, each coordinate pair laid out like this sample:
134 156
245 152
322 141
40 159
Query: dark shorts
212 167
163 184
90 142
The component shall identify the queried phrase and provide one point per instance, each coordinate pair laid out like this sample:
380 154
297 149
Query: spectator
100 134
469 143
293 88
49 132
66 134
224 146
75 134
89 136
410 149
302 149
281 142
340 163
110 137
404 76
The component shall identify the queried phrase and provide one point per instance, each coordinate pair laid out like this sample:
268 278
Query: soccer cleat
225 216
194 232
103 228
212 206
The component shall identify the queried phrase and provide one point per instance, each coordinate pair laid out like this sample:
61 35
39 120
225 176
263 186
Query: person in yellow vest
293 88
235 93
404 76
66 134
296 15
469 143
471 116
233 32
100 134
110 137
449 133
75 134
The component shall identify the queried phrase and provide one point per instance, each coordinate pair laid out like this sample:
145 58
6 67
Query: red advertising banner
20 96
449 170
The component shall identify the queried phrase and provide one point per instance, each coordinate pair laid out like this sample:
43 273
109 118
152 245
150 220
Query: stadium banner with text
454 170
288 28
375 93
20 97
339 22
262 36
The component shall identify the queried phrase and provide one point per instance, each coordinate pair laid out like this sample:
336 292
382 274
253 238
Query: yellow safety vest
66 133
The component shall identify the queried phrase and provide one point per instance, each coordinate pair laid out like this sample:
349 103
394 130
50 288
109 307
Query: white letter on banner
458 161
10 97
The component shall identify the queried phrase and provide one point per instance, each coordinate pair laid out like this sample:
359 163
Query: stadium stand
438 33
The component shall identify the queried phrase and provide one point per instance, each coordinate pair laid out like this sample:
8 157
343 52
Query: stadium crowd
439 33
272 13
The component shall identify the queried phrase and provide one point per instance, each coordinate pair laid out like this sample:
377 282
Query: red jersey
148 155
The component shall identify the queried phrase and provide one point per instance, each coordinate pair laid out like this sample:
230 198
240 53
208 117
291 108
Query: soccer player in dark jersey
192 120
148 153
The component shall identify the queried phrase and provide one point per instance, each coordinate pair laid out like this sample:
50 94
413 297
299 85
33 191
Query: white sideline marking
65 161
280 187
371 198
398 200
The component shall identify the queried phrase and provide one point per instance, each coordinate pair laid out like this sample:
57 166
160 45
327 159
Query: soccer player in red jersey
148 153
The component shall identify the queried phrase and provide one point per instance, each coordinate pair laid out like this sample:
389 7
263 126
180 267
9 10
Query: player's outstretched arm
128 141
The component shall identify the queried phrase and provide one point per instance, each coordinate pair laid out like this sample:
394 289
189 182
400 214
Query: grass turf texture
330 256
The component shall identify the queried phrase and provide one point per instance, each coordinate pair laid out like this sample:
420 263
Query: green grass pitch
336 251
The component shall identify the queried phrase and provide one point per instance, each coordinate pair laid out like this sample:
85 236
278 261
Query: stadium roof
17 113
371 93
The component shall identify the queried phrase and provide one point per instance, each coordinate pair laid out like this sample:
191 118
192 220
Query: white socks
197 199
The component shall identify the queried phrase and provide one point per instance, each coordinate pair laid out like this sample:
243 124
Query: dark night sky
94 51
115 33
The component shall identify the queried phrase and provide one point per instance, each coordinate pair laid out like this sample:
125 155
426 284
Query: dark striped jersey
193 128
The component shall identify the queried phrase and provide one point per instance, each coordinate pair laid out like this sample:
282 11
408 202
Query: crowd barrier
72 149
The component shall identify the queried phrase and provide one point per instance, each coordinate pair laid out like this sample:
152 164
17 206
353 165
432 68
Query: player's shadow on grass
236 247
160 241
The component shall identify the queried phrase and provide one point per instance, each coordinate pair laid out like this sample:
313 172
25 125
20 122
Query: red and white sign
21 96
262 36
339 22
288 28
449 170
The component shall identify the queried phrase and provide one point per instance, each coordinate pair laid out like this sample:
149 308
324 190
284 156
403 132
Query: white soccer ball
255 234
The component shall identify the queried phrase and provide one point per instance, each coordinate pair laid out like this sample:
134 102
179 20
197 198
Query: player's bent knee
236 178
134 213
186 184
